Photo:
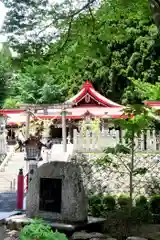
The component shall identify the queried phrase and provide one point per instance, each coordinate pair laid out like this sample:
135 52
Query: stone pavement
7 202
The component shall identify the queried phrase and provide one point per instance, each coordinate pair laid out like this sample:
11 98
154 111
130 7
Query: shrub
96 204
154 204
140 215
109 203
38 230
123 201
142 202
100 204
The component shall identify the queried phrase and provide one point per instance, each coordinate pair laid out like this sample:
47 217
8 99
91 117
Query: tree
134 125
32 26
109 50
137 122
5 75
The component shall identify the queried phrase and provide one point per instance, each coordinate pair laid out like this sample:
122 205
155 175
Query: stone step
8 175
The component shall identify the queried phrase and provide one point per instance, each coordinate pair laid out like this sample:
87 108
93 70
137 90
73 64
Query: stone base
92 225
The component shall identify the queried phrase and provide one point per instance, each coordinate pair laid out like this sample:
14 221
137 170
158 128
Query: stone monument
56 192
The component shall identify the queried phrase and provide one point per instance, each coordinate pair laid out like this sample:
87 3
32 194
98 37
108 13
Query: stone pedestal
57 193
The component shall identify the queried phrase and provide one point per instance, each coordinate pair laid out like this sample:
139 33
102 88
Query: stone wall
115 179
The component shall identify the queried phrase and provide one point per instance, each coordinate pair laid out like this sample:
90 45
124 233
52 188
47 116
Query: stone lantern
33 148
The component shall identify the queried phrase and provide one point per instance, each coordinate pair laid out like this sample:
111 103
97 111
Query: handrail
2 168
26 178
6 160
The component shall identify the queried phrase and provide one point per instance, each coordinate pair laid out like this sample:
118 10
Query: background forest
59 45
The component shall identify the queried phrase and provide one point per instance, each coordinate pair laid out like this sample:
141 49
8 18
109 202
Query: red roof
87 101
88 92
152 103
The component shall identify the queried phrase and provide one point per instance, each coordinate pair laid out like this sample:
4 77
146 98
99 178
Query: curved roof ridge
87 87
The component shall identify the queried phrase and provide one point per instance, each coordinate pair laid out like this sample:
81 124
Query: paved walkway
7 201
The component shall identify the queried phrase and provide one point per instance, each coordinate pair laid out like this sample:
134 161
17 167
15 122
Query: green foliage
121 221
142 202
140 171
100 204
105 161
5 76
95 204
154 204
123 201
111 207
140 215
109 202
109 44
41 231
10 103
119 148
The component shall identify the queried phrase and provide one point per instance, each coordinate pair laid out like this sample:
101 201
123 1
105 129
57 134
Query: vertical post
27 181
27 125
20 190
64 138
27 134
75 139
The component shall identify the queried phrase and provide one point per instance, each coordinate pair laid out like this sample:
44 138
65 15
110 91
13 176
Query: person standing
20 141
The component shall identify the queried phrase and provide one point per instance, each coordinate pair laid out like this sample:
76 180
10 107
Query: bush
123 201
140 215
142 202
120 222
109 203
95 202
154 204
100 204
39 230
